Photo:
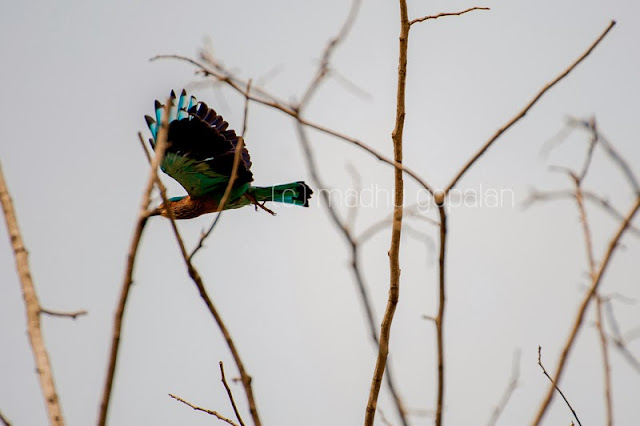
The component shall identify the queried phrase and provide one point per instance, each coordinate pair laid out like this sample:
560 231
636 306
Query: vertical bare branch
606 365
143 215
32 305
354 247
442 300
394 250
592 273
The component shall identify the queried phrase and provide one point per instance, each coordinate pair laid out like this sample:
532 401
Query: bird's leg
257 204
266 209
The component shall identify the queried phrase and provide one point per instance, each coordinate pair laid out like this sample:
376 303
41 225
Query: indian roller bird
200 156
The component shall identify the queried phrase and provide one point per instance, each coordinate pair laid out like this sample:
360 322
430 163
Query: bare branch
3 420
234 173
440 15
291 111
613 243
526 109
143 215
555 385
228 389
204 410
606 365
33 309
197 280
394 250
617 339
608 147
590 196
354 246
345 227
511 387
442 300
72 315
328 52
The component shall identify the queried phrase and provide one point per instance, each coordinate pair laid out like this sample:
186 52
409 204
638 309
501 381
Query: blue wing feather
201 150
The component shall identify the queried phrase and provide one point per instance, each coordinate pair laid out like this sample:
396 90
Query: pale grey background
76 83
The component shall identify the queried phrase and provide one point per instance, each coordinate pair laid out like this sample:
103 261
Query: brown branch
33 309
590 196
553 382
344 226
143 215
204 410
354 247
197 280
613 243
440 15
323 68
618 340
608 147
4 420
442 300
526 109
291 111
508 392
228 389
606 365
394 250
72 315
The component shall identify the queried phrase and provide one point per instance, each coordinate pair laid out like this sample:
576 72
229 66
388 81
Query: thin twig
610 150
440 15
204 410
72 315
237 155
585 224
228 389
508 392
526 109
323 68
606 365
617 339
536 196
604 263
553 382
396 229
590 150
143 216
33 309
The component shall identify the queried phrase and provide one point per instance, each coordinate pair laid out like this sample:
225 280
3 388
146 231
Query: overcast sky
76 84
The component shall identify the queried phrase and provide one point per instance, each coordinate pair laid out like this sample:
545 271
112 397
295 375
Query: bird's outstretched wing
201 148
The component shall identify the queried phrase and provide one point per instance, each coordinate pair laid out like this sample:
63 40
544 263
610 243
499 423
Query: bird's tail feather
297 193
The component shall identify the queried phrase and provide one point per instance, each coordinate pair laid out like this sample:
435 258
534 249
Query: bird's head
173 204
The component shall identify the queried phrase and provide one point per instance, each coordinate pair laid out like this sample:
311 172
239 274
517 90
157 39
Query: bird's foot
256 204
265 208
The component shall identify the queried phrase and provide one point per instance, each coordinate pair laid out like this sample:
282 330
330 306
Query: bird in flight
200 156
